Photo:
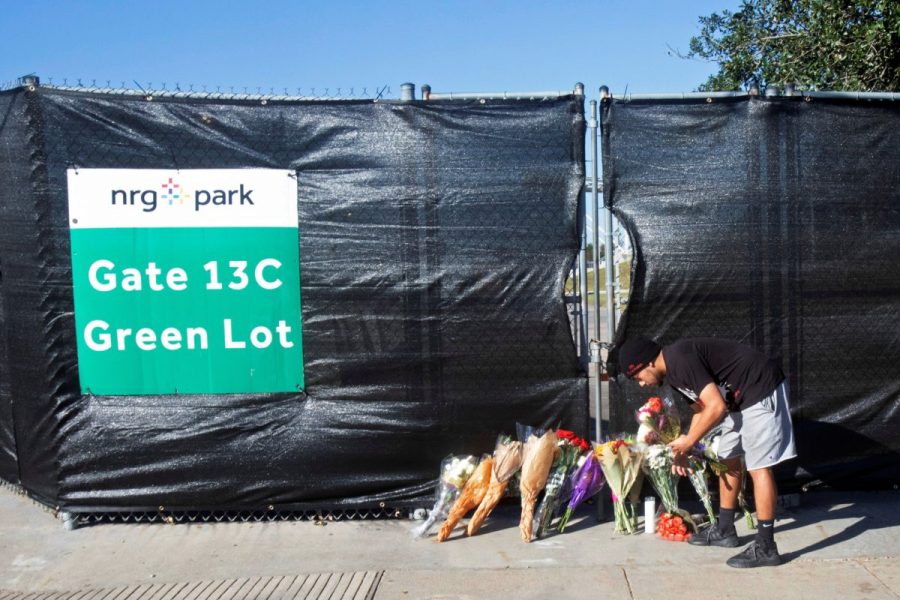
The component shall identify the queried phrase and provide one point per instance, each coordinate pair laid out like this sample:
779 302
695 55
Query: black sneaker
711 536
755 555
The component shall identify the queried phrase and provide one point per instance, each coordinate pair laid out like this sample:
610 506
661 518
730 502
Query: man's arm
709 409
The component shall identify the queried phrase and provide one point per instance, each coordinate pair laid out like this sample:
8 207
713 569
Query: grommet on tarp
30 81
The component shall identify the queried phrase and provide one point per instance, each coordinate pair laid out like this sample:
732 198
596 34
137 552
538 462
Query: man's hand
681 445
680 465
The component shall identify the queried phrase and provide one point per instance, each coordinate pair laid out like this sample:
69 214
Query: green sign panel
186 282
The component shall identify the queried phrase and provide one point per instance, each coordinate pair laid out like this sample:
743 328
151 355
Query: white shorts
762 433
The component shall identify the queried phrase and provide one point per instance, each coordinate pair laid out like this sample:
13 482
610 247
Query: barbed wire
178 90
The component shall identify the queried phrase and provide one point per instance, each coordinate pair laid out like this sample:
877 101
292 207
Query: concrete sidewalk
839 545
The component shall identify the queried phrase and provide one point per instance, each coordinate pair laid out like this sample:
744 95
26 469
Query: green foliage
817 44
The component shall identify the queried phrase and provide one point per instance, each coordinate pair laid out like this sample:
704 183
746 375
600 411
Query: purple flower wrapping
586 481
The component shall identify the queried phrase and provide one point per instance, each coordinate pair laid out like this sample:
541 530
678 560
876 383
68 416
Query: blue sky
456 46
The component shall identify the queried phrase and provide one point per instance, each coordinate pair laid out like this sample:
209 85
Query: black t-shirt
743 375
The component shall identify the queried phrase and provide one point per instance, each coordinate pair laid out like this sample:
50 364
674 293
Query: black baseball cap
635 354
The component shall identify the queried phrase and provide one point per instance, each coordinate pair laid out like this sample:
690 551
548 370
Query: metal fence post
610 263
595 342
595 356
407 92
582 287
592 128
582 272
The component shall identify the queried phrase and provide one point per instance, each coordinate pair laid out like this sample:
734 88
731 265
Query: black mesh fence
775 222
434 243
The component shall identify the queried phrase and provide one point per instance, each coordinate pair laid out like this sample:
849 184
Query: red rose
565 434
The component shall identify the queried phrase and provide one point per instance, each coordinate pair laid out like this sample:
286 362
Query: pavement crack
628 583
878 579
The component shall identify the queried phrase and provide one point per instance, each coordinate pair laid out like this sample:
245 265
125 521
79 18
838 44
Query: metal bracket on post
595 352
70 520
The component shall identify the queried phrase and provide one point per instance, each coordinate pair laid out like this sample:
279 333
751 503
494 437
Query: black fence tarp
775 222
434 242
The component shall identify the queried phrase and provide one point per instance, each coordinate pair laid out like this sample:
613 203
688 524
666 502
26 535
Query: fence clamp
595 352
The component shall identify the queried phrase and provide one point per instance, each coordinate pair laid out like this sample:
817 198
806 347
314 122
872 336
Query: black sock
765 533
726 520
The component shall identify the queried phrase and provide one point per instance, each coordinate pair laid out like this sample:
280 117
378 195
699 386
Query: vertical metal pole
592 128
595 342
582 271
582 287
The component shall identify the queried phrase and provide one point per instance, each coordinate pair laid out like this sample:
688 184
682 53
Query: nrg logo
172 193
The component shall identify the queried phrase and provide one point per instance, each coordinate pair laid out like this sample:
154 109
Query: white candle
650 515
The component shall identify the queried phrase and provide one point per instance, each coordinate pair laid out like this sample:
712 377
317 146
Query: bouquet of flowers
470 497
658 467
586 481
698 480
658 422
570 448
538 455
507 460
455 471
672 528
621 464
704 455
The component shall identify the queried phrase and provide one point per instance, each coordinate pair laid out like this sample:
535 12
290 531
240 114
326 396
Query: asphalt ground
836 545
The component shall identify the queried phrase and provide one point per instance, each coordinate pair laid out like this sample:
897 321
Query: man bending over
726 382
